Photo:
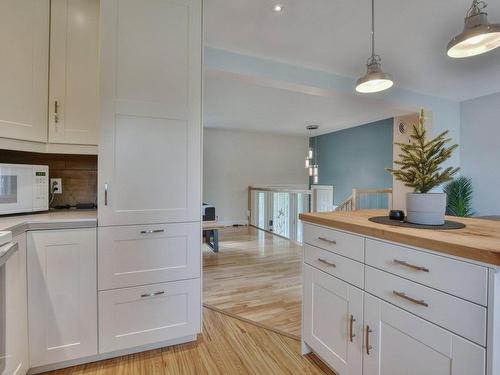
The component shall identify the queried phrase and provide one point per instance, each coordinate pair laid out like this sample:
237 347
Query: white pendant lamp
479 36
375 79
311 162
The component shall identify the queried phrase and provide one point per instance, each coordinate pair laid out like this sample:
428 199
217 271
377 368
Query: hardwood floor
255 276
228 346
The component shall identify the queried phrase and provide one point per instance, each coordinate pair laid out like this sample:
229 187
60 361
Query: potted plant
420 168
459 192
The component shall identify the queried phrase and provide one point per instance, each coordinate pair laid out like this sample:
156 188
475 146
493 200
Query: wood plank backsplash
78 173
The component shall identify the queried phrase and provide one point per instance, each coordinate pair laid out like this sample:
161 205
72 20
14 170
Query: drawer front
148 314
146 254
454 314
345 244
336 265
461 279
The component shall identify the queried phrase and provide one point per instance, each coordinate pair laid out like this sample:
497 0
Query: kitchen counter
479 240
66 219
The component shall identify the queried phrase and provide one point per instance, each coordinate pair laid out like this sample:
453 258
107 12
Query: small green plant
459 193
420 160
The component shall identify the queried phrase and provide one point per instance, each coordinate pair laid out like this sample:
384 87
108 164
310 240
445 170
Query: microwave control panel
40 188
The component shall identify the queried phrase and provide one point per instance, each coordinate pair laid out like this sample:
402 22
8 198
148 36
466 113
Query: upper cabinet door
401 343
24 43
74 72
150 132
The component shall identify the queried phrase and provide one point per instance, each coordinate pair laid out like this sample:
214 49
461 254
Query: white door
150 133
397 342
333 316
62 295
24 40
321 198
74 72
14 312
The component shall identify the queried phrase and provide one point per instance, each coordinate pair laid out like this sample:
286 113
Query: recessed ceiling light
278 8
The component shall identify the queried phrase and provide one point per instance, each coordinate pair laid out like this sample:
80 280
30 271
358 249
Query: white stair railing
359 196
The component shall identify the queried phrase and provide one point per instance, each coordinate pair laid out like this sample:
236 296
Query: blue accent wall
356 158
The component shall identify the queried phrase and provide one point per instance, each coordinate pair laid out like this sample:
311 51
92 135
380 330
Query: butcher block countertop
479 240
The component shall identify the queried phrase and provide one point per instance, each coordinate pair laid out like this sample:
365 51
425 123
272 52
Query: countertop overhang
479 240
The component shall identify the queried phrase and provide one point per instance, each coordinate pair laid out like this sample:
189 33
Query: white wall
233 160
480 151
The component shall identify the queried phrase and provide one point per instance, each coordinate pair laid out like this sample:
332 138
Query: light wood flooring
255 276
228 346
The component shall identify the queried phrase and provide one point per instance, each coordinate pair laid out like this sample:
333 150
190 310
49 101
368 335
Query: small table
211 234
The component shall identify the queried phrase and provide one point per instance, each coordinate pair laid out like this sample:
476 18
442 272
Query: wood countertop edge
461 251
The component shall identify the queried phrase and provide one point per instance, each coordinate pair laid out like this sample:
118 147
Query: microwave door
16 192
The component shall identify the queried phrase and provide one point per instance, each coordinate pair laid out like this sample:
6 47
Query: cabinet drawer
146 254
336 265
462 279
148 314
454 314
342 243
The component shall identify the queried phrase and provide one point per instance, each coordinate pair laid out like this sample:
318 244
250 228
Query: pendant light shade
478 36
375 79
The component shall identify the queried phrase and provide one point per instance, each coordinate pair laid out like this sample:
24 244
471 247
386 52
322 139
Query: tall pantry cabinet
149 172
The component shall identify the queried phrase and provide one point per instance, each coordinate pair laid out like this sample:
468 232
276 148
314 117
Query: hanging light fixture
479 36
375 79
312 155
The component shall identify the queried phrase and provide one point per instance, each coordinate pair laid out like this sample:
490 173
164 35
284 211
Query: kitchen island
384 299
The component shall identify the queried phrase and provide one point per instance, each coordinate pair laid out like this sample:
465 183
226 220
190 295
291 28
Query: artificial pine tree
420 160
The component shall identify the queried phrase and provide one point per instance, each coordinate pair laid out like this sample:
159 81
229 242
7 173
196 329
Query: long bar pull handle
351 323
146 295
324 261
56 111
403 295
152 231
367 339
409 265
333 242
105 194
159 293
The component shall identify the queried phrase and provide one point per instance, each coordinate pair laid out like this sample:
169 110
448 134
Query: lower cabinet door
333 321
397 342
62 295
144 315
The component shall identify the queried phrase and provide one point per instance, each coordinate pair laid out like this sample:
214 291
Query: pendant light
311 163
479 36
374 80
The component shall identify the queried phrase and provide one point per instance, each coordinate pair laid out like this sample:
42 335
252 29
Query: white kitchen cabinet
24 37
397 342
333 320
62 295
74 72
150 133
132 317
14 312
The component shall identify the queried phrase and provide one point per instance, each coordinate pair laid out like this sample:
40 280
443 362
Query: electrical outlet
56 185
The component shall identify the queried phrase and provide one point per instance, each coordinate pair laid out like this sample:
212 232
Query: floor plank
228 346
256 276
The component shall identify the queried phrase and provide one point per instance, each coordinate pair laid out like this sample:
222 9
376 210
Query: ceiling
236 102
334 35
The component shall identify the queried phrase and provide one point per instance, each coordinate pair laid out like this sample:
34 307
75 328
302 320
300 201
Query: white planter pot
427 209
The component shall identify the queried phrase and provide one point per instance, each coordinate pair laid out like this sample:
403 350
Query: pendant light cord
373 28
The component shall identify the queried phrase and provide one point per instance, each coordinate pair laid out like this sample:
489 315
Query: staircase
366 198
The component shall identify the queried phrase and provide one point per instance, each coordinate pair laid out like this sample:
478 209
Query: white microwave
23 188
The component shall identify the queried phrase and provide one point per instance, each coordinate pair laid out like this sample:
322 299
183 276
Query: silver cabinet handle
351 323
333 242
152 231
56 112
145 295
403 295
324 261
105 194
367 339
409 265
